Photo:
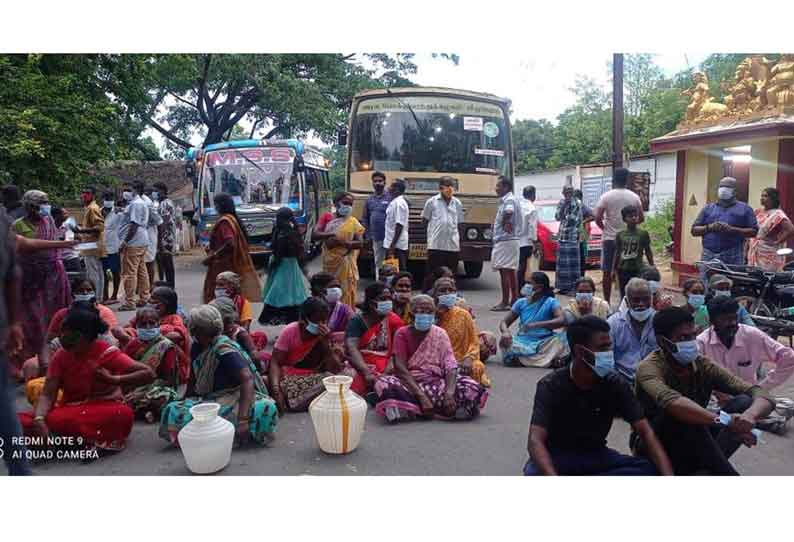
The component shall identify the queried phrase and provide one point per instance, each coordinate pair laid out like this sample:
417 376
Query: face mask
84 297
87 199
221 292
654 286
604 362
584 297
722 293
333 295
127 195
725 193
403 297
423 322
344 210
448 300
696 300
44 210
686 352
527 290
312 328
384 307
642 315
156 196
147 335
107 204
390 281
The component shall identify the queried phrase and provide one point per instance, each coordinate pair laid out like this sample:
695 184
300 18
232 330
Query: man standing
674 385
12 203
569 216
584 231
632 329
506 231
374 218
134 242
166 242
529 234
92 231
111 262
574 408
396 226
609 218
441 216
11 338
152 234
724 226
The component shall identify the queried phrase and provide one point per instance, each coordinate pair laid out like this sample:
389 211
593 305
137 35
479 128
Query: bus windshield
428 133
248 179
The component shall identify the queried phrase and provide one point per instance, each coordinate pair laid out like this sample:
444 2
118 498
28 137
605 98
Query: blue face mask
527 290
696 300
344 210
312 328
686 351
148 334
604 362
722 293
584 296
642 315
448 300
84 297
423 322
654 286
384 307
44 210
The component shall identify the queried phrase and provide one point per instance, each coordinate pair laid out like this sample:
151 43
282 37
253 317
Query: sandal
500 308
127 308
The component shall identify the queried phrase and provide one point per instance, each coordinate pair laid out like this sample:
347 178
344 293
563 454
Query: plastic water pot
338 416
207 440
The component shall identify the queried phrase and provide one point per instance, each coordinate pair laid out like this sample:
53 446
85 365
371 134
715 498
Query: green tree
338 157
533 143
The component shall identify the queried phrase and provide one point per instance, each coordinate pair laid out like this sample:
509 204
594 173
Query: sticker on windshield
489 152
490 129
473 124
485 170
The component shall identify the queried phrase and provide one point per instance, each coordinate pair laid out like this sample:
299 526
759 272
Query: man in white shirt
151 230
396 239
529 233
134 240
506 233
608 216
441 216
111 262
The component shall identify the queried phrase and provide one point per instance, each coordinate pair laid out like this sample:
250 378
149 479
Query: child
630 245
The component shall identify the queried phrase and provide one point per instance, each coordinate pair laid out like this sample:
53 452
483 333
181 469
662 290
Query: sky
537 84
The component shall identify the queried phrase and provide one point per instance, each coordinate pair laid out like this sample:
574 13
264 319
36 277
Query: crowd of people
692 381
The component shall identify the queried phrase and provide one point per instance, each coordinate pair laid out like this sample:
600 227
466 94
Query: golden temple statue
780 92
702 106
744 95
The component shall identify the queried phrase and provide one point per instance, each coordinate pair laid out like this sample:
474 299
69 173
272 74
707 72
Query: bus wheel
473 269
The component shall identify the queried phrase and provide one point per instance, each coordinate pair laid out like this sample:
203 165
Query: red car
547 237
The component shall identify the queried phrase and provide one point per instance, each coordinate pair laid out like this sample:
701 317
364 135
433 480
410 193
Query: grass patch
657 226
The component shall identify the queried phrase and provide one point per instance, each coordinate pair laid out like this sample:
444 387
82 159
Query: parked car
547 238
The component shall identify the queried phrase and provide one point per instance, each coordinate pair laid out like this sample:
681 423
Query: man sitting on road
574 409
631 329
674 385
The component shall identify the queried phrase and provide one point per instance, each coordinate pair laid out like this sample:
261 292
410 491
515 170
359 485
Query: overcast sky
537 84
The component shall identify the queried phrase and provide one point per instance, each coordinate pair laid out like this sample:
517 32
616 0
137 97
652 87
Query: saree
300 383
161 356
376 346
44 284
89 409
463 336
429 366
535 347
762 249
171 323
239 260
339 261
340 316
263 414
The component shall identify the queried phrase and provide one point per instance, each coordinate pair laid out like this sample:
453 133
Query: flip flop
500 308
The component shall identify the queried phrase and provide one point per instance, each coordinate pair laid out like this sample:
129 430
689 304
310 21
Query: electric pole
617 111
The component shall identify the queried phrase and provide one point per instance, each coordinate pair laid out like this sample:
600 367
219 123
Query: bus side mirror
341 137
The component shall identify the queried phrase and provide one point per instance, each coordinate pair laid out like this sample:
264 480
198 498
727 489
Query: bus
420 134
261 176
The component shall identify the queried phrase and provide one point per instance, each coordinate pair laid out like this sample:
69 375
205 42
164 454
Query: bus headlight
472 234
487 233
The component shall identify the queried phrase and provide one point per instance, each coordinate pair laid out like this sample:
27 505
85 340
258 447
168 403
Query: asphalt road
494 444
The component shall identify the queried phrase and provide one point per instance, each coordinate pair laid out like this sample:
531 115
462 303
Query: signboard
639 183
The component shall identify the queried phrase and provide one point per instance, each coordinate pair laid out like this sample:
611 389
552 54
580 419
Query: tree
533 143
336 175
641 78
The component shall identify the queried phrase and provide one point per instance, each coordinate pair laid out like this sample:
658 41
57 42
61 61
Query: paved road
494 444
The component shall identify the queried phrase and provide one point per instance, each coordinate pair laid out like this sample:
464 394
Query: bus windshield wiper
409 108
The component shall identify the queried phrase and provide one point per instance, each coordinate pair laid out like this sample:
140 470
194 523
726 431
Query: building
595 179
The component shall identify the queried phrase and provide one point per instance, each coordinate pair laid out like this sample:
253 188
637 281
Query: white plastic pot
207 440
338 416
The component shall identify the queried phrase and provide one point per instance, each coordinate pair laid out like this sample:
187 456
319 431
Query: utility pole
617 111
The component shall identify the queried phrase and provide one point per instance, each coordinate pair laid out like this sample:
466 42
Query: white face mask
333 295
641 315
725 192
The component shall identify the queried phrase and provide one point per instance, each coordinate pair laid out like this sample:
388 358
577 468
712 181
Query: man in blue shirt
374 218
724 226
631 330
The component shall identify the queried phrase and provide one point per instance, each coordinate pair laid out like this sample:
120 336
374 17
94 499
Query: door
739 170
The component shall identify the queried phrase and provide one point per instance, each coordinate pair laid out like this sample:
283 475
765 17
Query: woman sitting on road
370 337
425 380
227 284
402 288
439 273
90 373
237 333
386 274
161 355
222 373
327 287
460 328
695 293
536 344
586 302
302 357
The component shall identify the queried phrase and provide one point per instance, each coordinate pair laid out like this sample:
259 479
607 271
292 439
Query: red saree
238 260
171 323
376 348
